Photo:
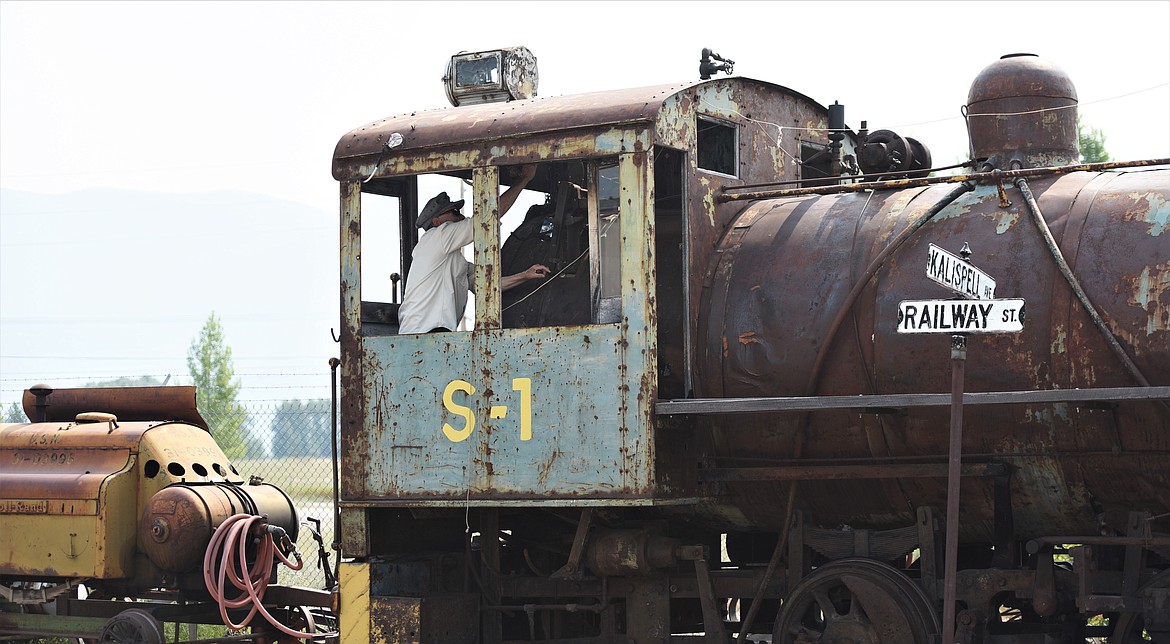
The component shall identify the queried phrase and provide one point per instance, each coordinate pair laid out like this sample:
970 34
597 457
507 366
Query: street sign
961 316
959 275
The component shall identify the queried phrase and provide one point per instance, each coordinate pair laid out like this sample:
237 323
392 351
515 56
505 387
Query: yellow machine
113 500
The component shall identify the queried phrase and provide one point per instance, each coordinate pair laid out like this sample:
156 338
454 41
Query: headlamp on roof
494 76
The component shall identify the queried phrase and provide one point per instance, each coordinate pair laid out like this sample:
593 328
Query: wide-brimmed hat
438 205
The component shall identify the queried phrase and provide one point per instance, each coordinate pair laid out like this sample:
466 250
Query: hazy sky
208 96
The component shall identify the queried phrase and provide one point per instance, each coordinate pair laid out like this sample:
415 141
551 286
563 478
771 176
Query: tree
209 361
14 414
302 429
1092 143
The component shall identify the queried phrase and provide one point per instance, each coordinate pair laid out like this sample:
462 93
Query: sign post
954 474
974 311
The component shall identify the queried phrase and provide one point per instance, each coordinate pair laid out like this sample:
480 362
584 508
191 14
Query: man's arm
536 271
509 197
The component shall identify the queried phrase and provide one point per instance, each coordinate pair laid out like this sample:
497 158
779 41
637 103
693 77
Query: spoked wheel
133 626
1128 627
856 600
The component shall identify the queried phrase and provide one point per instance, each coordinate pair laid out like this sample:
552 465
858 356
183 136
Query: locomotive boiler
124 500
706 423
790 309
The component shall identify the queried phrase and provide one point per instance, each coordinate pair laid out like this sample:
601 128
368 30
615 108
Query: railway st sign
961 316
959 275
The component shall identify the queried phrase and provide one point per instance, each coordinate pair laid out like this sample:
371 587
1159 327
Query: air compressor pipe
978 177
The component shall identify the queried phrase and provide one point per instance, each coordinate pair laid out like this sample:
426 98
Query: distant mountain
105 283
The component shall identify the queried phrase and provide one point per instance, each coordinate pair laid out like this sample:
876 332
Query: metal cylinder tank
784 275
1023 108
177 524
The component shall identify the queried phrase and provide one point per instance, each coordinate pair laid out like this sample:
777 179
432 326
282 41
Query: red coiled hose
226 560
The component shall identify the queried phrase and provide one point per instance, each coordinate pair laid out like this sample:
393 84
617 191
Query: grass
299 477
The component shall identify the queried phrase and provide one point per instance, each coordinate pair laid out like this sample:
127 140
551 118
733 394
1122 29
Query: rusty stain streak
545 468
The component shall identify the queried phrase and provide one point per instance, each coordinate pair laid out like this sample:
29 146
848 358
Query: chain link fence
289 445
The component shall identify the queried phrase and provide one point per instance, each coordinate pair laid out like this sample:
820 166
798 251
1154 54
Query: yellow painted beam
354 620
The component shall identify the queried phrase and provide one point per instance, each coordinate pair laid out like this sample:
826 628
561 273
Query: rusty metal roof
477 123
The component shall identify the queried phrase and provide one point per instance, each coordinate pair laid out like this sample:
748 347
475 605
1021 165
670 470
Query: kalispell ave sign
959 275
961 316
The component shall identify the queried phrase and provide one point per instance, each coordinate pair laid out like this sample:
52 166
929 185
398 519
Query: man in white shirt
440 277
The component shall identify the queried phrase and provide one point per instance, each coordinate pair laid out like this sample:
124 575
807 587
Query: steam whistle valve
707 67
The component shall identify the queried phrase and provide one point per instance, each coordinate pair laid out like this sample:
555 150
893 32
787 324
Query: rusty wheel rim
132 626
856 600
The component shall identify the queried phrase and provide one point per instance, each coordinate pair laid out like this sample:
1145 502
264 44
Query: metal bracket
712 620
572 569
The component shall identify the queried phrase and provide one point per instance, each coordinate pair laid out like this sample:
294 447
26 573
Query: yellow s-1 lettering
521 385
452 434
524 386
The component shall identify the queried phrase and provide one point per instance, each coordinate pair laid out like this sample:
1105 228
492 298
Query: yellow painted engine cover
71 493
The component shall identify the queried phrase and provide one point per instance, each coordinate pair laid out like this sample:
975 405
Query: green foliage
302 429
209 361
1092 144
174 633
15 414
128 381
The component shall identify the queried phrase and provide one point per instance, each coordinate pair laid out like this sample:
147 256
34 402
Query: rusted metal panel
439 618
474 124
355 531
543 146
772 123
638 360
71 537
127 403
352 404
486 218
396 619
499 414
55 464
780 281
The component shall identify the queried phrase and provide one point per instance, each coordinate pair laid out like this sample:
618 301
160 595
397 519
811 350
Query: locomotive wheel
301 619
856 600
1127 629
133 626
1129 626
